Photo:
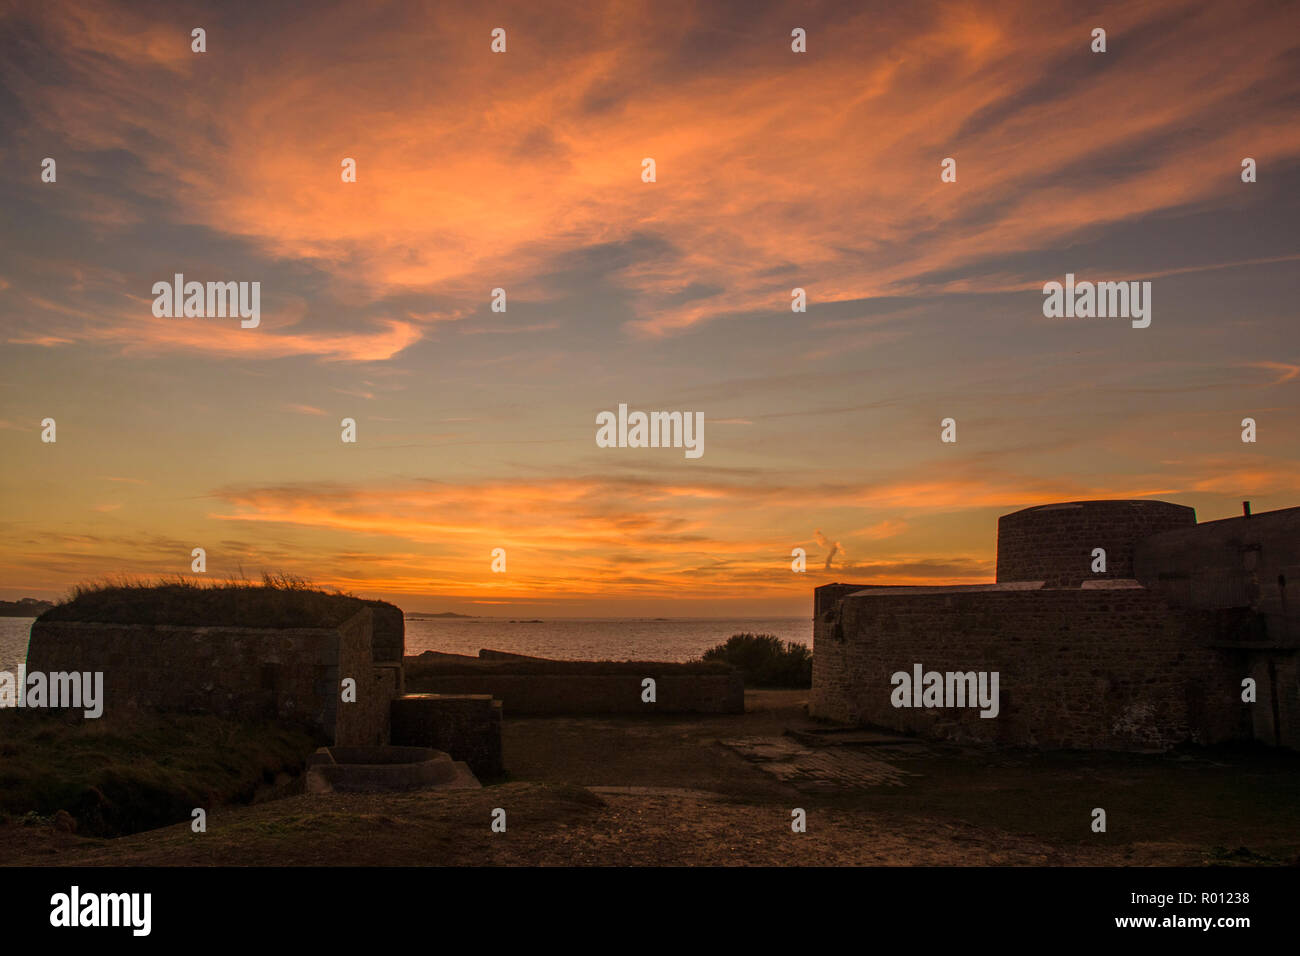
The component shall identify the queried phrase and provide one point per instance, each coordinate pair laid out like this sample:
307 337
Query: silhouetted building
1153 651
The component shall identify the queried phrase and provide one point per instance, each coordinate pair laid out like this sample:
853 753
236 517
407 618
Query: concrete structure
371 769
1147 654
293 675
388 641
467 726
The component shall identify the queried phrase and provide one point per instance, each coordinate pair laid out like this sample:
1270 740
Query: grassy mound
149 773
279 601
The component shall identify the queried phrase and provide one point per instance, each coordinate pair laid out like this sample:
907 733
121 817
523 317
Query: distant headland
24 607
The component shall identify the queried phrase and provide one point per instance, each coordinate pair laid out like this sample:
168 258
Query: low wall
580 687
1105 668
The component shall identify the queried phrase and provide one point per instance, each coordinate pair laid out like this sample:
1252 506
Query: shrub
766 660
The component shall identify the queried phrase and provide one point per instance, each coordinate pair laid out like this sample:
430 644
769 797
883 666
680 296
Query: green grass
135 776
278 601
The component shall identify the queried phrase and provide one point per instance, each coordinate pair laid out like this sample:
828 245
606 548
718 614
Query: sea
574 639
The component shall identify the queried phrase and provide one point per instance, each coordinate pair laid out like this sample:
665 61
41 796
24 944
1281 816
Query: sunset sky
522 170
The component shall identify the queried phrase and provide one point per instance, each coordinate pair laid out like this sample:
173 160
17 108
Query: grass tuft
280 600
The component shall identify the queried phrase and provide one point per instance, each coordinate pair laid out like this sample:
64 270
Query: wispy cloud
740 186
775 171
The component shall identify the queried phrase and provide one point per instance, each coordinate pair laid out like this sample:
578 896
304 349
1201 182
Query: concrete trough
376 769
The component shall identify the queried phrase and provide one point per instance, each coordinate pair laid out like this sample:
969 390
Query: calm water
13 642
620 639
563 638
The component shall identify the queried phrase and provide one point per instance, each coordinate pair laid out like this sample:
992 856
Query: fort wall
1054 543
1088 669
1236 562
1147 655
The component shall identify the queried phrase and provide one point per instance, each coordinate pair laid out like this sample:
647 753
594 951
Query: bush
766 660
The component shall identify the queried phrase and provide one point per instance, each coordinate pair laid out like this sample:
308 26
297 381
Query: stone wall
291 675
1104 668
1249 567
542 693
388 641
1276 714
1237 562
366 722
1054 543
1148 654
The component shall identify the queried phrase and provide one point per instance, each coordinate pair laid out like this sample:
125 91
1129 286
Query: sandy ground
665 790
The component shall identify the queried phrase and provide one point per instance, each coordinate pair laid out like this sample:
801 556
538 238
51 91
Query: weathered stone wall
388 639
594 693
467 726
1247 568
291 675
1276 713
366 723
1054 543
1089 660
1237 562
1105 668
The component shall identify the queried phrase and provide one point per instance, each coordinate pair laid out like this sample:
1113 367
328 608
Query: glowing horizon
522 171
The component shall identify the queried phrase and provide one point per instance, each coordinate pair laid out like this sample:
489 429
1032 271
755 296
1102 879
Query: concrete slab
814 769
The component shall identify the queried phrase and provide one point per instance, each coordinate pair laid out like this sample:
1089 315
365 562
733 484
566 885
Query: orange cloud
633 535
478 170
149 335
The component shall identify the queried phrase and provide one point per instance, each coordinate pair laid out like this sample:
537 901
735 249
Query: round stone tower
1054 543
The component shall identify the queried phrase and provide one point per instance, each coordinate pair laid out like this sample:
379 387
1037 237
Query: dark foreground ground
706 790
